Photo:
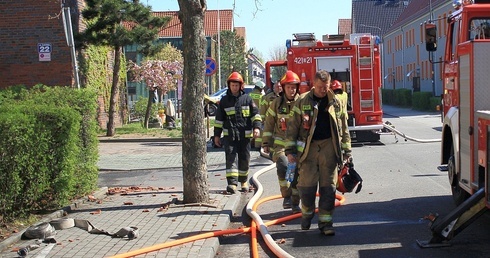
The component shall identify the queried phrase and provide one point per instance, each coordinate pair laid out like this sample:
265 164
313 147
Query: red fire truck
466 115
354 60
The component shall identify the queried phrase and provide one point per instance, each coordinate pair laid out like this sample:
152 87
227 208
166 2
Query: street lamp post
219 48
381 49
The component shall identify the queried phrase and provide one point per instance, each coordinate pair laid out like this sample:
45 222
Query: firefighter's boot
308 195
286 203
231 189
245 187
305 222
327 228
295 202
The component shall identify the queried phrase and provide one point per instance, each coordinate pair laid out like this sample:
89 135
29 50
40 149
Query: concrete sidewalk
157 212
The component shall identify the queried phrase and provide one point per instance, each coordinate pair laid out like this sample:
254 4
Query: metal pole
433 65
70 42
219 49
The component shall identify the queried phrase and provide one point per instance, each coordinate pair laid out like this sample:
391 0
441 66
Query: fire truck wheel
459 195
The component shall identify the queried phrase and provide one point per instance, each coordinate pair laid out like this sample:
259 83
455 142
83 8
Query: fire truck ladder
365 63
448 227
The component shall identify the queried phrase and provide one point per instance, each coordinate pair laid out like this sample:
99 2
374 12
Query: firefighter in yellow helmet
256 94
318 134
238 118
275 126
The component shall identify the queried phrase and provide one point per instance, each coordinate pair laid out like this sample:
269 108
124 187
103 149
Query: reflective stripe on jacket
265 102
279 109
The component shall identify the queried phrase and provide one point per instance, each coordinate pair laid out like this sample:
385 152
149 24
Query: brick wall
23 25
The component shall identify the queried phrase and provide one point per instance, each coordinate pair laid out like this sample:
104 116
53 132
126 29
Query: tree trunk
148 108
111 128
196 186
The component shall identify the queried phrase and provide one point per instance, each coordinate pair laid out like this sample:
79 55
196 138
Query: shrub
139 109
434 102
421 100
49 148
403 97
388 96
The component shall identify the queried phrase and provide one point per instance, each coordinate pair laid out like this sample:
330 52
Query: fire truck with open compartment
355 61
466 115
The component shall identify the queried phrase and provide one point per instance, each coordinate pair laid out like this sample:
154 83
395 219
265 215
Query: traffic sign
210 66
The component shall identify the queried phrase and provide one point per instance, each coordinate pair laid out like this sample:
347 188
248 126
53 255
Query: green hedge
405 98
48 148
434 102
398 97
388 96
421 100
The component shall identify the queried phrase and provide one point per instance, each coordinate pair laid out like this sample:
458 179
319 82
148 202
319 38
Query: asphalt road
401 186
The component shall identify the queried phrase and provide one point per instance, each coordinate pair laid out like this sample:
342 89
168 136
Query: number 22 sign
44 51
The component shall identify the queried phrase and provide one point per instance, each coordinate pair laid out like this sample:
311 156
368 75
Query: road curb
108 140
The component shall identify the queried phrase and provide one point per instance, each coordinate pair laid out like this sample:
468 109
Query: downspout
403 56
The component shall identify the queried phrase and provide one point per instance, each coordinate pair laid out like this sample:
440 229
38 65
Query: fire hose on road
257 220
391 128
251 210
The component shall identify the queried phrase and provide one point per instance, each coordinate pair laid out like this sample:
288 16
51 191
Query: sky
276 20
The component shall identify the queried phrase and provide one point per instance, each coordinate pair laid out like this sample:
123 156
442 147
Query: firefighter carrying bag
348 179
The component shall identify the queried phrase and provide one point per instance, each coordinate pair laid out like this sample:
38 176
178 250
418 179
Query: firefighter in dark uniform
275 135
238 118
318 133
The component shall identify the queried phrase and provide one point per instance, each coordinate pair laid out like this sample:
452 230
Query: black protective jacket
236 116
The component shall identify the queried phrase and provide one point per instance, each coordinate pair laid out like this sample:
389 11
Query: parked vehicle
466 116
213 100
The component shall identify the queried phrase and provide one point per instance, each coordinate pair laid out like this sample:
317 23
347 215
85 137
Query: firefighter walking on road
238 118
267 99
318 133
265 102
274 135
256 94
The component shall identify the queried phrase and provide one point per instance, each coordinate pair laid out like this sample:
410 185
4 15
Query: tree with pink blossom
158 75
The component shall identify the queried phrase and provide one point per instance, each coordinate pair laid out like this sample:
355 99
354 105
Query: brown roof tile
174 27
415 8
376 14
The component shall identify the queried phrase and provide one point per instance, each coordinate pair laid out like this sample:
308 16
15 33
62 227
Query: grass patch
136 130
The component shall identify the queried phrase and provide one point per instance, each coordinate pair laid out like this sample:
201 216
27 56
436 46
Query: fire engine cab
466 115
353 60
